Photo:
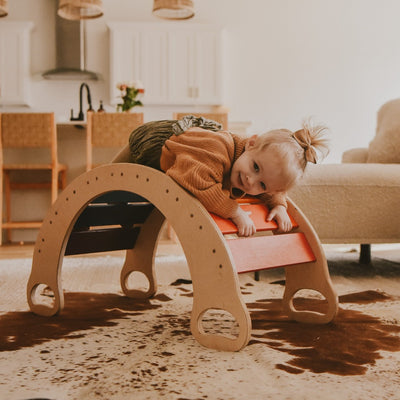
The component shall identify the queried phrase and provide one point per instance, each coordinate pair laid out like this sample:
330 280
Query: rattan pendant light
3 8
173 9
80 9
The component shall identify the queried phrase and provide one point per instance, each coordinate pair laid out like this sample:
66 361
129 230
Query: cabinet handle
193 91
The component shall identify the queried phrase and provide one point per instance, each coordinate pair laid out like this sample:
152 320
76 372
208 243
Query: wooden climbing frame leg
141 257
298 251
313 275
215 284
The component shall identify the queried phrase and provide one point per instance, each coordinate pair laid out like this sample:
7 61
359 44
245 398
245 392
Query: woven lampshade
3 8
80 9
173 9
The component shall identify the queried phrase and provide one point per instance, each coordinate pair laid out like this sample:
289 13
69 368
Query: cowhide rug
106 346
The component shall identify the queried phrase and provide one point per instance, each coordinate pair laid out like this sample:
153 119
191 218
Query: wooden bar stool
108 131
27 133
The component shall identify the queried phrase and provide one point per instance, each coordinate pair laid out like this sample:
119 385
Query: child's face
257 171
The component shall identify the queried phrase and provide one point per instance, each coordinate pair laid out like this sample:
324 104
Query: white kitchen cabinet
195 67
14 62
177 64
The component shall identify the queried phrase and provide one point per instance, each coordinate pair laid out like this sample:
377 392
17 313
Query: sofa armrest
358 155
351 203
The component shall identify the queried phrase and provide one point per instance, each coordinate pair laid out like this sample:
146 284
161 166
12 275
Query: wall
337 61
285 60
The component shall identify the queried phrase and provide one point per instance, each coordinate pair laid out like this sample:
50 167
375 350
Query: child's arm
280 215
244 223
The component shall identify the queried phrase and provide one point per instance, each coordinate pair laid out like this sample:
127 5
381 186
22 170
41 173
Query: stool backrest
29 130
109 130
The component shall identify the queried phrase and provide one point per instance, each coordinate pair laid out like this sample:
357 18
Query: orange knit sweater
201 161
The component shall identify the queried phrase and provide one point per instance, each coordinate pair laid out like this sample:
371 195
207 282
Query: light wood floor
8 251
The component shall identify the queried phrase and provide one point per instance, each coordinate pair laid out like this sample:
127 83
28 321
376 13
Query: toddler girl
217 166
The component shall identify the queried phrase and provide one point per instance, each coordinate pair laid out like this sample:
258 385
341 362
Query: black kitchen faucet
81 116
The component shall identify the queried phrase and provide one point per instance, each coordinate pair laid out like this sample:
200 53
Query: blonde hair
295 149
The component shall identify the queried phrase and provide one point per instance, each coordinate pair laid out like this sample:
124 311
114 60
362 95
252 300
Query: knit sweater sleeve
200 161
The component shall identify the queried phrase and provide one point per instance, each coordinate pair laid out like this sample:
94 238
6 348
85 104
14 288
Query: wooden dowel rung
22 225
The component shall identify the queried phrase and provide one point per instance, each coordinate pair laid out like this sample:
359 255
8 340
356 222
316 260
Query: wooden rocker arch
210 259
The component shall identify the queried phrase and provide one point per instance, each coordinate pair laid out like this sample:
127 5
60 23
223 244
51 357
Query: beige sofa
358 201
352 203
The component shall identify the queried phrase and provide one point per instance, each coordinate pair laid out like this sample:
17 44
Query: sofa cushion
385 147
351 203
357 155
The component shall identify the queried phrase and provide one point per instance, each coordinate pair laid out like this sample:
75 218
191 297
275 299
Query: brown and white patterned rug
106 346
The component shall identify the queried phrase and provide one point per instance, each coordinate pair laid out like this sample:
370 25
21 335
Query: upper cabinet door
154 67
195 66
14 62
181 71
124 59
177 65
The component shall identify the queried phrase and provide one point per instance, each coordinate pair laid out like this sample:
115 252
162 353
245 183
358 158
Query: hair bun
310 139
304 140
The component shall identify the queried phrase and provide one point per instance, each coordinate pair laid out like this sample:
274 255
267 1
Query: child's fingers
285 226
247 231
271 215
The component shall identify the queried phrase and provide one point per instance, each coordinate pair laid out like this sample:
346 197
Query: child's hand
244 223
280 215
